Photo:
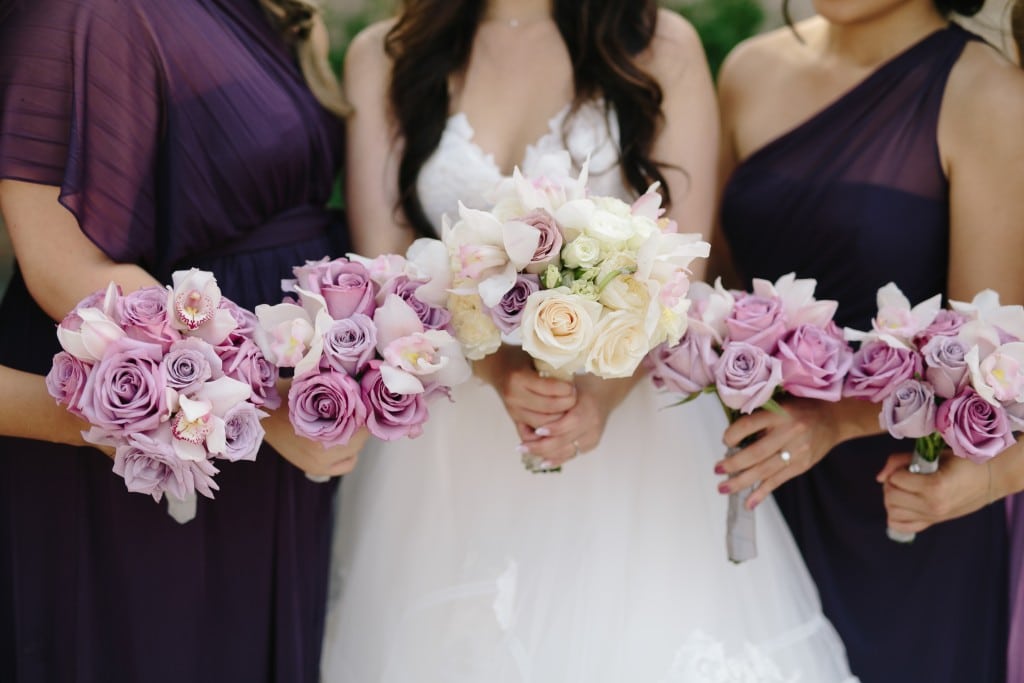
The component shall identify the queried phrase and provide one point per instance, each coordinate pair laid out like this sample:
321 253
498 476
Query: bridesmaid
877 142
138 138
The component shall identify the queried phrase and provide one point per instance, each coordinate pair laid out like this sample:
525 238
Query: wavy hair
431 42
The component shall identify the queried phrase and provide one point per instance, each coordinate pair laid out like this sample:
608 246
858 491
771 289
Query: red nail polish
723 488
719 468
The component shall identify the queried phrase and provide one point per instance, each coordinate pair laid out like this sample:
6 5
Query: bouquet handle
740 527
920 463
318 478
182 511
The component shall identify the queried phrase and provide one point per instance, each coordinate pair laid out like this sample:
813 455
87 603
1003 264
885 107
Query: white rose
609 227
627 293
582 252
558 328
620 344
474 329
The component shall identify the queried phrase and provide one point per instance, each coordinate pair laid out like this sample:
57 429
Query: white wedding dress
453 564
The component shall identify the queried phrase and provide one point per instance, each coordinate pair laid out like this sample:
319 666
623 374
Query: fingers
895 463
765 448
749 425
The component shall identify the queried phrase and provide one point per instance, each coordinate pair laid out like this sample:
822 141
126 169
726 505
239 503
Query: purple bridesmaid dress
856 197
180 133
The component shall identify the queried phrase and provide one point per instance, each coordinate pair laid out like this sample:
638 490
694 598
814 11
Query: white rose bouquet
583 283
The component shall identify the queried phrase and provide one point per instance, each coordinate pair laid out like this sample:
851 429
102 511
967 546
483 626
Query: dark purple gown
181 133
856 197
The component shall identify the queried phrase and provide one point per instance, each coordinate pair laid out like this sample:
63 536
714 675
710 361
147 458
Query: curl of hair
302 26
967 8
431 42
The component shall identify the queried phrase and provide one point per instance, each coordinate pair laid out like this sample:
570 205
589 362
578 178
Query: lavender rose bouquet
369 341
171 379
944 377
749 349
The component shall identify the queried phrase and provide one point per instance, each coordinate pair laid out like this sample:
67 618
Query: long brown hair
1017 24
431 41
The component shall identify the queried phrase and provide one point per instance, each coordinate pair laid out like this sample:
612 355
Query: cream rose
474 328
582 252
558 328
620 344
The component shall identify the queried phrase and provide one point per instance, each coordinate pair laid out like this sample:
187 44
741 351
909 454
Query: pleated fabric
180 134
856 197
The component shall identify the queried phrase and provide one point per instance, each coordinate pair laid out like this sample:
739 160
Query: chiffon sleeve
80 108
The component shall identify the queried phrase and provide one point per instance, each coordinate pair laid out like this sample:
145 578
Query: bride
452 563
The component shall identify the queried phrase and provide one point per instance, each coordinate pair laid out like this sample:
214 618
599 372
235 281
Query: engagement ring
786 456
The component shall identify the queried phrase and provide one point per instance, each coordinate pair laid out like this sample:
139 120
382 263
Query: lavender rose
350 344
246 323
746 376
247 364
189 364
327 407
945 324
149 465
945 364
509 311
143 315
974 428
66 381
432 317
391 416
346 286
686 368
551 240
243 432
126 391
878 368
814 363
757 320
909 411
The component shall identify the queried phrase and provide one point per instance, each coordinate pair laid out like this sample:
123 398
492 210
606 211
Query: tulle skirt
453 564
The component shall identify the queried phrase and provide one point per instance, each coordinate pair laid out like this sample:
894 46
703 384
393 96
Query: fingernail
723 488
752 505
547 464
719 468
542 431
522 448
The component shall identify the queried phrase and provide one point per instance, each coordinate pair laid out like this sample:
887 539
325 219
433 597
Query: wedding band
786 456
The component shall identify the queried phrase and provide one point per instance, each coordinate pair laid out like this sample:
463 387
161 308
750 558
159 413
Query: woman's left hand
790 443
582 426
914 502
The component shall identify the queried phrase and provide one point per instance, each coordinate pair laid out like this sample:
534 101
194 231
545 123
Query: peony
974 428
909 411
746 376
558 328
326 407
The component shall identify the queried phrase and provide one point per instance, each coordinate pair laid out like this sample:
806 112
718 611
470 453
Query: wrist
1006 473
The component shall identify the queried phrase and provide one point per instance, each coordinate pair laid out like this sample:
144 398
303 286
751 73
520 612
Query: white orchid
198 428
897 323
194 306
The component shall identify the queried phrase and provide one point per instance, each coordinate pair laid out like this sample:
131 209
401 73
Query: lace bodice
460 170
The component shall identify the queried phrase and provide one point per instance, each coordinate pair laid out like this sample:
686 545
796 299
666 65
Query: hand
807 431
531 401
914 502
310 456
580 429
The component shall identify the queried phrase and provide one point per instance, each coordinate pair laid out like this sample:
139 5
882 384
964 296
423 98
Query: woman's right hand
531 401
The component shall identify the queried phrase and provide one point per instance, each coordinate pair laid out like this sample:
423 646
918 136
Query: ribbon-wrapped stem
924 461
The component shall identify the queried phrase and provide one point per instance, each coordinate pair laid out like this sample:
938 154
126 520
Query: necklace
517 22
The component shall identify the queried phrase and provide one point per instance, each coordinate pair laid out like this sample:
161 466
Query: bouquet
748 349
369 342
171 379
583 283
944 377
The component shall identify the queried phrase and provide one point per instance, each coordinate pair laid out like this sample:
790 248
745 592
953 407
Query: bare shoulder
676 47
366 51
984 101
753 63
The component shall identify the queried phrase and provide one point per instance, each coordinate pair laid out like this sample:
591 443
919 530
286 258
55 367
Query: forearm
853 418
28 411
1007 471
